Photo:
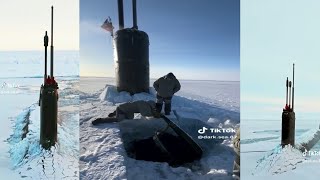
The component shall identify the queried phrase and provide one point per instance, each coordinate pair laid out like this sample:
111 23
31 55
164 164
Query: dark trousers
236 166
167 104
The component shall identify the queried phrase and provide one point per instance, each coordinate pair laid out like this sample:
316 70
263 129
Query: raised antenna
287 85
120 13
293 88
51 47
46 40
289 94
134 14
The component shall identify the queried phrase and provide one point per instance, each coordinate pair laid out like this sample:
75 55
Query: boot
167 109
104 120
113 114
97 121
159 107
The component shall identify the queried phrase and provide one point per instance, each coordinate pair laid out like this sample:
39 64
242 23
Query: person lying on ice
166 87
127 110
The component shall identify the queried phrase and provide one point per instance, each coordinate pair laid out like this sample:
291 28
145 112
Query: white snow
279 160
263 158
102 148
20 81
25 156
31 63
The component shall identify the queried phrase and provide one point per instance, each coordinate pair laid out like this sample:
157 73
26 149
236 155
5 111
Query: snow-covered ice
199 103
263 158
20 153
31 63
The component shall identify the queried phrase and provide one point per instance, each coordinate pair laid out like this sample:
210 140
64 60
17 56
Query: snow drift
103 148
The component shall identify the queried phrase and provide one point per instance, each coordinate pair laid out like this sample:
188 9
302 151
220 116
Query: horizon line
157 78
37 50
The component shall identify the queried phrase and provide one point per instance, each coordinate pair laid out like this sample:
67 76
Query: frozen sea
21 155
263 158
198 103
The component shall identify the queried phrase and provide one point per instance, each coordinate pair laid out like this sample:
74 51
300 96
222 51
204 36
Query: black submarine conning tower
131 54
288 116
48 101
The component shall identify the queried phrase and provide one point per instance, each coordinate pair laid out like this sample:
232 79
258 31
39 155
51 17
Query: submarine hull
131 56
48 116
288 128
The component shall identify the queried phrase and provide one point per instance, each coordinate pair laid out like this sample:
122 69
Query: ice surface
31 63
20 153
262 157
27 158
110 94
279 160
102 151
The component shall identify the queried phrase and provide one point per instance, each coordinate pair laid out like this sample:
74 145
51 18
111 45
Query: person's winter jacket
236 142
167 85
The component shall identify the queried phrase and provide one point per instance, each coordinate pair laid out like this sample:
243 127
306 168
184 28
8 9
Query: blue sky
275 34
194 39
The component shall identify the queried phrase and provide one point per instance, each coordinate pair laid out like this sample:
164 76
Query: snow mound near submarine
111 94
279 160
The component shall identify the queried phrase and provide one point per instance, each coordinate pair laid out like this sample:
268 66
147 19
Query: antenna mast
120 14
51 48
293 89
134 14
46 40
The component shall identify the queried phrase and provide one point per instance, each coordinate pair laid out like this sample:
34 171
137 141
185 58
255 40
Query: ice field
198 103
263 158
20 153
